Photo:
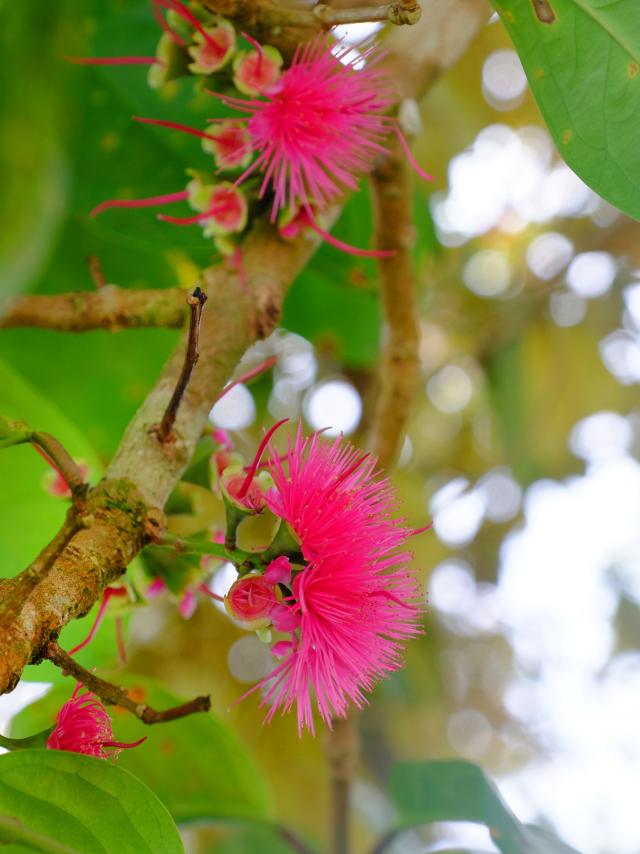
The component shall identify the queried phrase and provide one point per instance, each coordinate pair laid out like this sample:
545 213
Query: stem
117 696
95 268
64 464
111 308
196 301
343 752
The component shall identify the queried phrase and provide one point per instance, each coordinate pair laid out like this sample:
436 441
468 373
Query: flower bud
250 601
213 48
256 71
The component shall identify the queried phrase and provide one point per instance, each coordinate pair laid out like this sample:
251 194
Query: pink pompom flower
319 126
83 726
353 602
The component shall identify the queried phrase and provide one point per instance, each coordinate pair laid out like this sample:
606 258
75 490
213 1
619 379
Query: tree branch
267 13
116 696
400 366
110 307
122 510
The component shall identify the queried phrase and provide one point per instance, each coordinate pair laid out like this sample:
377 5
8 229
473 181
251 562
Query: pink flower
83 726
318 127
354 602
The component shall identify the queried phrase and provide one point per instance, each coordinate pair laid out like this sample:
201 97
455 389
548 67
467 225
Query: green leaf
582 59
197 765
455 790
29 515
83 803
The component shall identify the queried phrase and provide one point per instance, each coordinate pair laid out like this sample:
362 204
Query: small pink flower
83 726
354 602
212 48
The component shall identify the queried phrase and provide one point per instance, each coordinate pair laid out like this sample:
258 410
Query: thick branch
142 474
110 307
117 696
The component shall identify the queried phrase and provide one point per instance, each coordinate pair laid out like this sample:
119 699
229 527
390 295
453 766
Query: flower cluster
343 594
309 130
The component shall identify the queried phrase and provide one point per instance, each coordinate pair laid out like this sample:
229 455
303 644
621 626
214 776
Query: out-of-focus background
522 448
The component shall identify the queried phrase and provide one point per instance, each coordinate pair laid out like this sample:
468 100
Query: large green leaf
197 766
83 803
455 790
582 59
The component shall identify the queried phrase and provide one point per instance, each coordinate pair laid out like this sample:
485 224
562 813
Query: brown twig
109 307
117 696
63 462
195 301
95 268
343 750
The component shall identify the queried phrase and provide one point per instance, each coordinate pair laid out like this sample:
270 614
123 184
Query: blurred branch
117 696
110 307
400 366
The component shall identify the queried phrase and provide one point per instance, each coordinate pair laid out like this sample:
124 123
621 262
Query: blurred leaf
30 515
542 841
82 802
454 790
582 59
197 766
248 840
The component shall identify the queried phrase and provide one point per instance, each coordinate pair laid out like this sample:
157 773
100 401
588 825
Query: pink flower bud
279 571
250 600
255 72
213 48
230 144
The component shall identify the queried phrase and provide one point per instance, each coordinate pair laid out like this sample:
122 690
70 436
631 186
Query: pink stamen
417 531
140 203
182 10
405 147
162 23
174 126
182 220
207 592
50 462
256 460
345 247
122 652
114 60
124 743
249 375
108 594
258 47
